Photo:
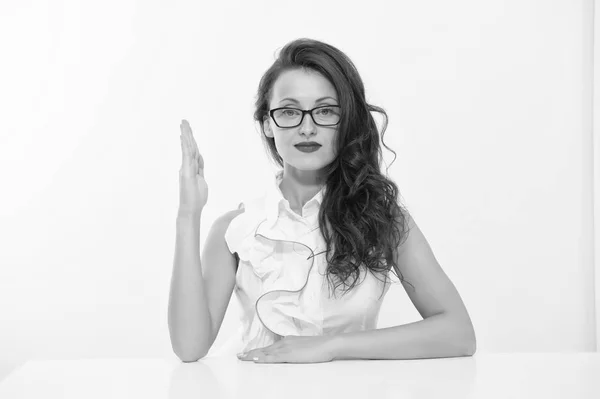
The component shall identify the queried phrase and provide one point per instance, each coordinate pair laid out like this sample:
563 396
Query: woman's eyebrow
298 102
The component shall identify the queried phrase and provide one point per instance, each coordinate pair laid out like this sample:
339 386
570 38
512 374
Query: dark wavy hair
360 205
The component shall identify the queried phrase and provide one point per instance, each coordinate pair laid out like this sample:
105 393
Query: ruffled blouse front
280 281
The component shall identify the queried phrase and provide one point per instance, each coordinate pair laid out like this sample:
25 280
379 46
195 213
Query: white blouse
280 281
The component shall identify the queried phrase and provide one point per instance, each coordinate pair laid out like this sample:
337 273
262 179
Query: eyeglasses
328 115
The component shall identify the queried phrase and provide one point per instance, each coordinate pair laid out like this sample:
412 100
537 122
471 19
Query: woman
309 261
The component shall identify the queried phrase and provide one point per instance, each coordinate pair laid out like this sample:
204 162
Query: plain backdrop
490 110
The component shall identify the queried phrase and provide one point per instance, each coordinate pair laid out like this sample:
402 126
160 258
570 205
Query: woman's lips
308 148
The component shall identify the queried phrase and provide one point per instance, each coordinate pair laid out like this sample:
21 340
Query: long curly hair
360 215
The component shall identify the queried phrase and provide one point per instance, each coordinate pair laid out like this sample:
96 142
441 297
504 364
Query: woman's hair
360 204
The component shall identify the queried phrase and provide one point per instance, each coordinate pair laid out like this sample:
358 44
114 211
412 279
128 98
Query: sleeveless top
280 280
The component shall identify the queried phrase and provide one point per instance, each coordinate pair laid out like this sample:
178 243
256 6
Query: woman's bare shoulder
225 219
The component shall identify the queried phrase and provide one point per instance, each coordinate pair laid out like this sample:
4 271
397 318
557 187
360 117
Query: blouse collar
275 200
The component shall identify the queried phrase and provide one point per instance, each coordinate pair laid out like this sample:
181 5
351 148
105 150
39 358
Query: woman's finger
187 154
193 139
194 145
188 141
188 136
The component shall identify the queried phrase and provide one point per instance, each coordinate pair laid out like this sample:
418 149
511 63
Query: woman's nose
308 125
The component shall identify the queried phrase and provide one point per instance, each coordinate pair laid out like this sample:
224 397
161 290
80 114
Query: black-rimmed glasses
327 115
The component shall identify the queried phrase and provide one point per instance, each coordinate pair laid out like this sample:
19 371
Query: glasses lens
327 115
287 117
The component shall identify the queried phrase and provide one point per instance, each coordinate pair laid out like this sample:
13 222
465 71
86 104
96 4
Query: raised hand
193 190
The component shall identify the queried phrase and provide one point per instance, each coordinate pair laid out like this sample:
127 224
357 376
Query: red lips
307 144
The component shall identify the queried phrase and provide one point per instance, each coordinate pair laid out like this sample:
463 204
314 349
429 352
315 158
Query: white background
490 107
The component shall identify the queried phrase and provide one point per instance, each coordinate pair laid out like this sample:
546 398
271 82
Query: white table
485 375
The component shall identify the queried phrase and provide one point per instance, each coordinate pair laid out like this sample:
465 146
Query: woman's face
306 87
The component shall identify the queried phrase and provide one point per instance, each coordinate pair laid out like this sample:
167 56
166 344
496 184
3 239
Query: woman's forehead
303 86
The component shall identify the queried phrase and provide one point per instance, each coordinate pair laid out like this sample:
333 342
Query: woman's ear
267 127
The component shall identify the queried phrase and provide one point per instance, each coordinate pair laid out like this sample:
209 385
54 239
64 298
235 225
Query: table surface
484 375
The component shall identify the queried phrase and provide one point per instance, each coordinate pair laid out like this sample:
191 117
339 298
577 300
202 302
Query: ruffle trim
280 308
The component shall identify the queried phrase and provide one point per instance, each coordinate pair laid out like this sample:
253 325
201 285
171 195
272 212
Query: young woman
309 261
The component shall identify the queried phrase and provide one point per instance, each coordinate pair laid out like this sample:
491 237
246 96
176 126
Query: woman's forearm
189 317
437 336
